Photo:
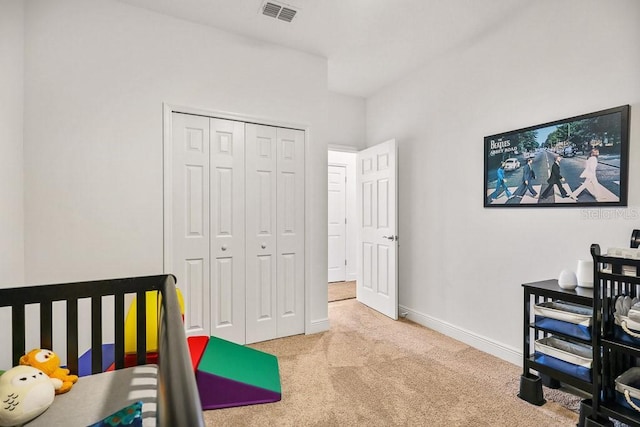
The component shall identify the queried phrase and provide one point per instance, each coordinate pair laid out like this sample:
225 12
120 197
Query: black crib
178 399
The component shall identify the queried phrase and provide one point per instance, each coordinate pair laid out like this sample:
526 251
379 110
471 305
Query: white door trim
342 148
167 177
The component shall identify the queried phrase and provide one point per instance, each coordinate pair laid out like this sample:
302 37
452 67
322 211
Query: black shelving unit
611 356
531 383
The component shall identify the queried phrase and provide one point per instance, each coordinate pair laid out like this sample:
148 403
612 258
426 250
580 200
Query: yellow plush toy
49 363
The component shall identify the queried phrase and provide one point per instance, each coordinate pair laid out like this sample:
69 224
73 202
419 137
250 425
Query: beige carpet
339 291
368 370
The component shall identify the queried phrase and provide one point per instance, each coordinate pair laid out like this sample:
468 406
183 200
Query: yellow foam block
130 335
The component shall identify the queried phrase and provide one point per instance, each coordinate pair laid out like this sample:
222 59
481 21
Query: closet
237 227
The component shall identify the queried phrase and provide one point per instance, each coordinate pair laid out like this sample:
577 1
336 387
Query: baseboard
316 326
485 344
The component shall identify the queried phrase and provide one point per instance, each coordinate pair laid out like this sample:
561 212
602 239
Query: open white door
377 190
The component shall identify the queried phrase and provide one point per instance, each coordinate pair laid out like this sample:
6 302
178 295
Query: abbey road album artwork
579 161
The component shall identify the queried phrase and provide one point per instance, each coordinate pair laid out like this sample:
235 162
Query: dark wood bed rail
178 397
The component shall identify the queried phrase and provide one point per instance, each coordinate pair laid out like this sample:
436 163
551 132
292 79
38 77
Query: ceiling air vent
287 14
271 9
278 11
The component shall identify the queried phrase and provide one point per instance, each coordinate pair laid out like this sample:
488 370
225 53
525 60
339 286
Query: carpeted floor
339 291
369 370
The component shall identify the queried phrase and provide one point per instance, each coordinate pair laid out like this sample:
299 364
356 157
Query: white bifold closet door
226 195
275 239
190 214
238 221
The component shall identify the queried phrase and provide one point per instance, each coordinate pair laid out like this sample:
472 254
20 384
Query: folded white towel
624 303
634 312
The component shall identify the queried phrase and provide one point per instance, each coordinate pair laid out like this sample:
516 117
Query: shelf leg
531 389
587 419
547 381
600 422
585 411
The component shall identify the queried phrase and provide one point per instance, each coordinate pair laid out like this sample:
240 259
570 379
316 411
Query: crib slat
17 326
141 330
72 335
119 330
96 335
46 320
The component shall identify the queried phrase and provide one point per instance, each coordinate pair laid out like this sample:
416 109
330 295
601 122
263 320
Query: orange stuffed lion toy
49 363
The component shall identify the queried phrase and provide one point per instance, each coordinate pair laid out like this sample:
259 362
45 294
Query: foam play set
234 375
227 374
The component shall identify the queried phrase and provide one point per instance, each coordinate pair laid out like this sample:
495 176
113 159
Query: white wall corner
479 342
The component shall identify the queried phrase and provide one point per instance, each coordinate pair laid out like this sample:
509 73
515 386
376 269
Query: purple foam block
218 392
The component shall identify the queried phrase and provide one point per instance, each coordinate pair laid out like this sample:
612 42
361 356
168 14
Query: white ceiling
368 43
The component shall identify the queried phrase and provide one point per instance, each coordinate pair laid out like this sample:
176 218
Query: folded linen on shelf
624 253
565 311
564 318
634 312
624 303
569 357
627 327
628 388
629 253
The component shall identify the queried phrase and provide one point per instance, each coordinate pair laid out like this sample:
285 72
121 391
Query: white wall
347 116
461 266
97 74
348 160
11 138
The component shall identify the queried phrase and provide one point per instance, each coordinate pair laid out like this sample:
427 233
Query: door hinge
345 262
345 220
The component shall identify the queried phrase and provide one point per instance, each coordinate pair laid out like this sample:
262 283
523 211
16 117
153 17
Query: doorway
373 204
342 224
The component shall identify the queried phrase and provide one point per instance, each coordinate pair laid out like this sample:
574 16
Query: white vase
567 280
584 273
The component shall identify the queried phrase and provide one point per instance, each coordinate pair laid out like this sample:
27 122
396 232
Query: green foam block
242 364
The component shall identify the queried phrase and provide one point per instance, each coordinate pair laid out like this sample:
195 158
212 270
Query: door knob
224 247
390 237
263 246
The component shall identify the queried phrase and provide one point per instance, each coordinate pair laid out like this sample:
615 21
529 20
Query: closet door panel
227 230
264 288
261 234
290 232
190 214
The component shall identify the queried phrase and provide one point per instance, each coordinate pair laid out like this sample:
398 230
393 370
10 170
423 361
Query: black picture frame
602 134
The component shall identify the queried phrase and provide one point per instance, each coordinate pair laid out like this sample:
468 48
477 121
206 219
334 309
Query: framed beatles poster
579 161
